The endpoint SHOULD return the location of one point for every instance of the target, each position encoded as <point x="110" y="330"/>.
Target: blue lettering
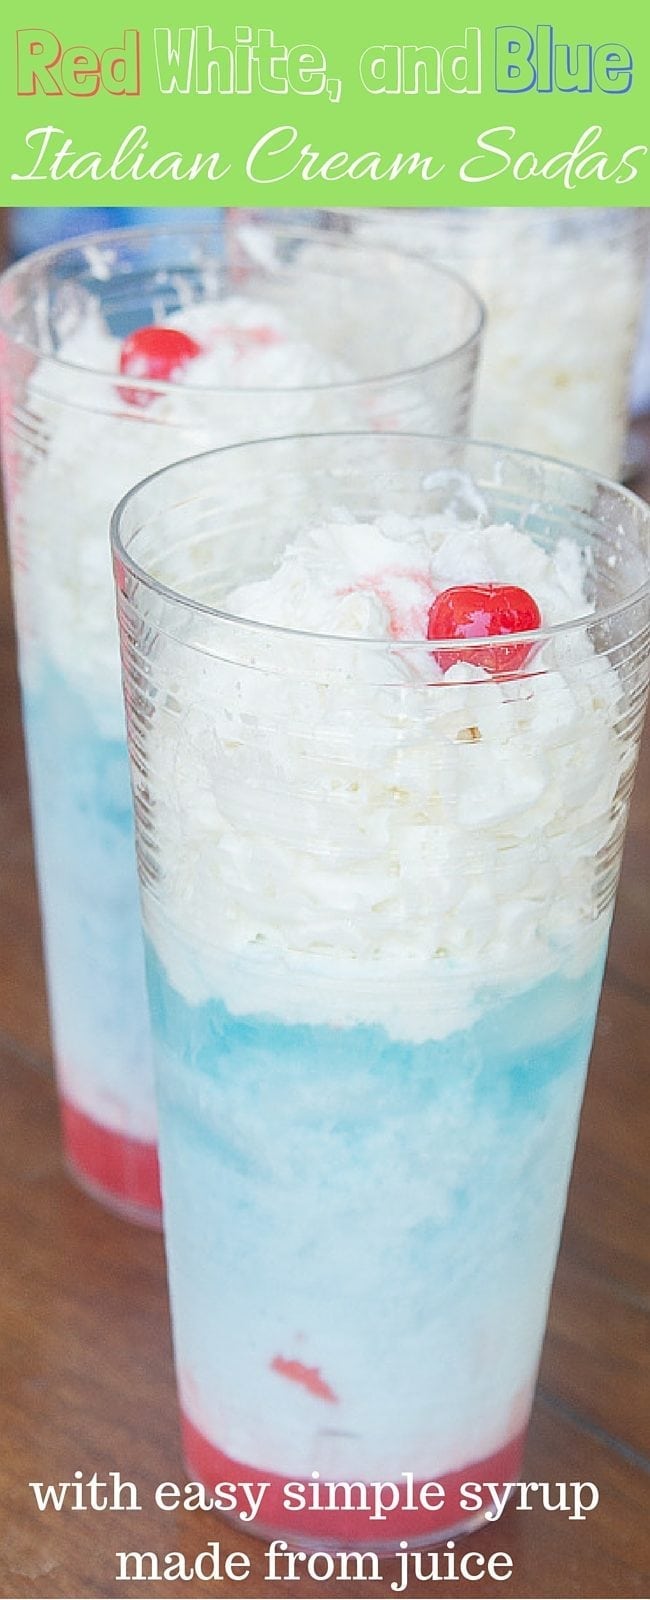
<point x="540" y="62"/>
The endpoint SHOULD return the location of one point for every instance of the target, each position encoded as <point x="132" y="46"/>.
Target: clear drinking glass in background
<point x="281" y="337"/>
<point x="377" y="883"/>
<point x="564" y="294"/>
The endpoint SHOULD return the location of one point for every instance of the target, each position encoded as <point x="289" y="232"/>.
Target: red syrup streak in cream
<point x="243" y="340"/>
<point x="309" y="1377"/>
<point x="209" y="1465"/>
<point x="409" y="619"/>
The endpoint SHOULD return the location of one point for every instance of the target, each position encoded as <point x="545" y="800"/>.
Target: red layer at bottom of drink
<point x="354" y="1526"/>
<point x="113" y="1166"/>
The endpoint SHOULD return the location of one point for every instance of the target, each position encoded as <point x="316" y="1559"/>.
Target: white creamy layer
<point x="93" y="446"/>
<point x="339" y="844"/>
<point x="563" y="304"/>
<point x="430" y="1352"/>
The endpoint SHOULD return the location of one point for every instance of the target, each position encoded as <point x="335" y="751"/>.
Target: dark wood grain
<point x="85" y="1351"/>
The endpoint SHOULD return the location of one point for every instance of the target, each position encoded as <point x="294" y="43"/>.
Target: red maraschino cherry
<point x="154" y="353"/>
<point x="483" y="611"/>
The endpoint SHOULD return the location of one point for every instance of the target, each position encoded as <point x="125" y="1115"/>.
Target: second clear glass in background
<point x="564" y="293"/>
<point x="291" y="330"/>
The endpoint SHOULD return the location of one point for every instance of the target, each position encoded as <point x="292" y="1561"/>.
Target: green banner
<point x="483" y="104"/>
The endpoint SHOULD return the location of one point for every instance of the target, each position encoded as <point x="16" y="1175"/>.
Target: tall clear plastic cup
<point x="277" y="334"/>
<point x="377" y="881"/>
<point x="564" y="293"/>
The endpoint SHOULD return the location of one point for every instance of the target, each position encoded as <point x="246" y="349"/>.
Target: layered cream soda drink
<point x="384" y="698"/>
<point x="121" y="353"/>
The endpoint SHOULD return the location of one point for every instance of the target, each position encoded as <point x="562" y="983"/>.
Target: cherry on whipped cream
<point x="484" y="611"/>
<point x="154" y="353"/>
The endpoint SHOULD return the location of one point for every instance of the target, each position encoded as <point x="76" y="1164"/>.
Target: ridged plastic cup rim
<point x="104" y="237"/>
<point x="534" y="637"/>
<point x="465" y="216"/>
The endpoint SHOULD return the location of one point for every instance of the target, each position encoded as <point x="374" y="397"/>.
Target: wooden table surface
<point x="85" y="1357"/>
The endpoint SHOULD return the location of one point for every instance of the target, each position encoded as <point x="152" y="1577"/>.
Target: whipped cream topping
<point x="563" y="299"/>
<point x="378" y="579"/>
<point x="334" y="845"/>
<point x="86" y="446"/>
<point x="245" y="343"/>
